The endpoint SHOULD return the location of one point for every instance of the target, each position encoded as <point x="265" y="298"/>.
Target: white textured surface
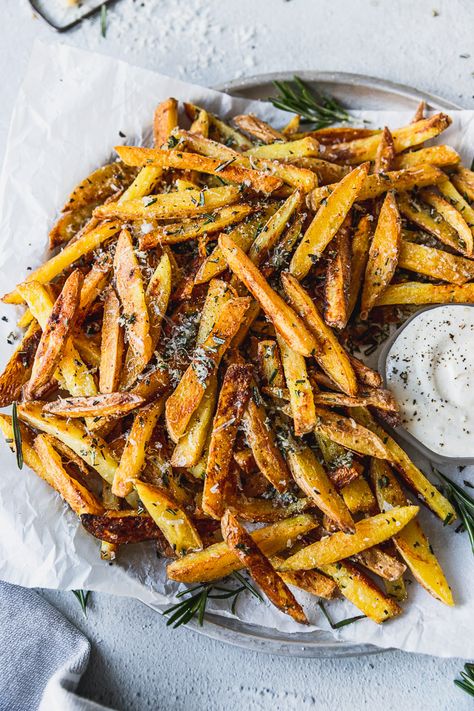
<point x="138" y="663"/>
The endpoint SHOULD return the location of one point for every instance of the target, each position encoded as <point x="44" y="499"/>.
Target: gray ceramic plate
<point x="356" y="92"/>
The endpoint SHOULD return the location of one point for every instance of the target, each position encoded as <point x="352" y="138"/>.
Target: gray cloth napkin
<point x="42" y="655"/>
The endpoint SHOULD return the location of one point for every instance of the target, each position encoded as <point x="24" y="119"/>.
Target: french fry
<point x="380" y="398"/>
<point x="314" y="482"/>
<point x="257" y="510"/>
<point x="338" y="277"/>
<point x="232" y="401"/>
<point x="164" y="120"/>
<point x="328" y="220"/>
<point x="417" y="176"/>
<point x="448" y="210"/>
<point x="270" y="234"/>
<point x="122" y="527"/>
<point x="191" y="228"/>
<point x="132" y="460"/>
<point x="449" y="192"/>
<point x="301" y="148"/>
<point x="340" y="463"/>
<point x="435" y="225"/>
<point x="201" y="124"/>
<point x="69" y="255"/>
<point x="80" y="499"/>
<point x="257" y="128"/>
<point x="358" y="497"/>
<point x="128" y="282"/>
<point x="338" y="134"/>
<point x="262" y="442"/>
<point x="381" y="563"/>
<point x="415" y="479"/>
<point x="385" y="155"/>
<point x="227" y="170"/>
<point x="18" y="369"/>
<point x="383" y="255"/>
<point x="286" y="322"/>
<point x="365" y="375"/>
<point x="170" y="206"/>
<point x="435" y="263"/>
<point x="190" y="446"/>
<point x="91" y="448"/>
<point x="363" y="149"/>
<point x="218" y="560"/>
<point x="172" y="520"/>
<point x="415" y="292"/>
<point x="116" y="404"/>
<point x="112" y="345"/>
<point x="440" y="156"/>
<point x="362" y="591"/>
<point x="411" y="542"/>
<point x="250" y="555"/>
<point x="144" y="184"/>
<point x="229" y="134"/>
<point x="93" y="285"/>
<point x="329" y="354"/>
<point x="346" y="432"/>
<point x="463" y="180"/>
<point x="368" y="532"/>
<point x="181" y="405"/>
<point x="311" y="581"/>
<point x="325" y="171"/>
<point x="300" y="390"/>
<point x="270" y="365"/>
<point x="292" y="126"/>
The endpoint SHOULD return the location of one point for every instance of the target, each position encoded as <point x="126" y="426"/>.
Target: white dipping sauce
<point x="430" y="369"/>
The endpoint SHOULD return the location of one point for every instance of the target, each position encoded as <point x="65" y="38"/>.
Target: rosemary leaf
<point x="17" y="436"/>
<point x="466" y="683"/>
<point x="83" y="597"/>
<point x="341" y="623"/>
<point x="462" y="502"/>
<point x="103" y="20"/>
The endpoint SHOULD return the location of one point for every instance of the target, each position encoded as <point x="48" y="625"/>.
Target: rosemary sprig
<point x="467" y="681"/>
<point x="103" y="20"/>
<point x="341" y="623"/>
<point x="83" y="597"/>
<point x="17" y="437"/>
<point x="462" y="502"/>
<point x="318" y="109"/>
<point x="195" y="605"/>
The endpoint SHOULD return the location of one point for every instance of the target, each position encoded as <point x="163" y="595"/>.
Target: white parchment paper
<point x="67" y="118"/>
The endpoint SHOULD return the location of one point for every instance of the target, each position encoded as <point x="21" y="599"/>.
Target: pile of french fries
<point x="184" y="369"/>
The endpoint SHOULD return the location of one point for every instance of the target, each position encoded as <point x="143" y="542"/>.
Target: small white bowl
<point x="401" y="431"/>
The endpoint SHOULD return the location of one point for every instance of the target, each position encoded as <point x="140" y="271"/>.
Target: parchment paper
<point x="67" y="118"/>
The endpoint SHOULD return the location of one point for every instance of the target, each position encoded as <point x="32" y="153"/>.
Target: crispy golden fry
<point x="132" y="460"/>
<point x="362" y="591"/>
<point x="227" y="170"/>
<point x="91" y="448"/>
<point x="338" y="277"/>
<point x="448" y="210"/>
<point x="448" y="190"/>
<point x="233" y="398"/>
<point x="380" y="398"/>
<point x="463" y="180"/>
<point x="329" y="354"/>
<point x="257" y="128"/>
<point x="339" y="134"/>
<point x="18" y="369"/>
<point x="228" y="135"/>
<point x="325" y="171"/>
<point x="270" y="234"/>
<point x="415" y="479"/>
<point x="301" y="148"/>
<point x="168" y="206"/>
<point x="286" y="322"/>
<point x="181" y="405"/>
<point x="172" y="520"/>
<point x="328" y="220"/>
<point x="292" y="126"/>
<point x="341" y="466"/>
<point x="93" y="285"/>
<point x="219" y="293"/>
<point x="385" y="156"/>
<point x="383" y="254"/>
<point x="434" y="224"/>
<point x="70" y="254"/>
<point x="257" y="510"/>
<point x="80" y="499"/>
<point x="144" y="184"/>
<point x="415" y="292"/>
<point x="218" y="560"/>
<point x="250" y="555"/>
<point x="270" y="366"/>
<point x="129" y="284"/>
<point x="368" y="532"/>
<point x="411" y="543"/>
<point x="314" y="482"/>
<point x="192" y="228"/>
<point x="117" y="404"/>
<point x="111" y="351"/>
<point x="299" y="387"/>
<point x="190" y="446"/>
<point x="414" y="134"/>
<point x="365" y="375"/>
<point x="381" y="563"/>
<point x="311" y="581"/>
<point x="122" y="527"/>
<point x="30" y="455"/>
<point x="376" y="185"/>
<point x="349" y="434"/>
<point x="164" y="120"/>
<point x="262" y="442"/>
<point x="440" y="156"/>
<point x="358" y="497"/>
<point x="435" y="263"/>
<point x="201" y="124"/>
